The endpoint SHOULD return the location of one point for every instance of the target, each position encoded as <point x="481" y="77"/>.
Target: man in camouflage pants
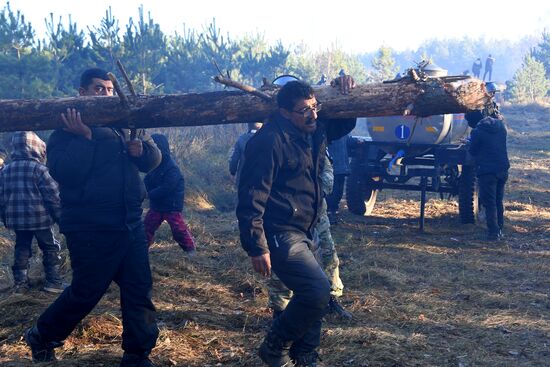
<point x="325" y="253"/>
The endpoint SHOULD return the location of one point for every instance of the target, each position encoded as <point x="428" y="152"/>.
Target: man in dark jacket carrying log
<point x="279" y="201"/>
<point x="97" y="169"/>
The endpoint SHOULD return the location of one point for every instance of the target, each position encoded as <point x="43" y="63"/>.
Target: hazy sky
<point x="357" y="26"/>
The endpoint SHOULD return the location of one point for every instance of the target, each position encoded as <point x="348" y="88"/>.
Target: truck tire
<point x="467" y="195"/>
<point x="360" y="194"/>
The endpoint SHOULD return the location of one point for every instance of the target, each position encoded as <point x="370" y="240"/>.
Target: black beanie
<point x="473" y="117"/>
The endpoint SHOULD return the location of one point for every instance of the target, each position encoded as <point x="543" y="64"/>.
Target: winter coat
<point x="488" y="146"/>
<point x="338" y="150"/>
<point x="29" y="196"/>
<point x="279" y="189"/>
<point x="236" y="158"/>
<point x="165" y="184"/>
<point x="100" y="186"/>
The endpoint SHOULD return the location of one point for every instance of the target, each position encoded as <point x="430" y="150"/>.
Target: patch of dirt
<point x="443" y="297"/>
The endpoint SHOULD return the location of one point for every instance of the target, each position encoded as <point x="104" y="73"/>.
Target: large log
<point x="421" y="98"/>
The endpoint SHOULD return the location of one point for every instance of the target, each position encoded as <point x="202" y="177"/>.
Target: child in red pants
<point x="165" y="188"/>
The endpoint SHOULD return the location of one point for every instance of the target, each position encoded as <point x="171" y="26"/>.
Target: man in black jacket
<point x="488" y="147"/>
<point x="97" y="169"/>
<point x="279" y="201"/>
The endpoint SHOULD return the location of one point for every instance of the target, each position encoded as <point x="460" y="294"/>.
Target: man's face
<point x="303" y="115"/>
<point x="98" y="87"/>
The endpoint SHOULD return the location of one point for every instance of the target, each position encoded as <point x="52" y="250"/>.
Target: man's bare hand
<point x="262" y="264"/>
<point x="74" y="125"/>
<point x="134" y="148"/>
<point x="345" y="83"/>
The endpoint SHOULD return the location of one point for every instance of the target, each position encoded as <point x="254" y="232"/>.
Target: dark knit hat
<point x="473" y="117"/>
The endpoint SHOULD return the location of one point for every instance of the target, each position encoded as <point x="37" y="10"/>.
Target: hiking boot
<point x="274" y="351"/>
<point x="135" y="360"/>
<point x="21" y="280"/>
<point x="55" y="287"/>
<point x="21" y="288"/>
<point x="306" y="360"/>
<point x="334" y="307"/>
<point x="41" y="351"/>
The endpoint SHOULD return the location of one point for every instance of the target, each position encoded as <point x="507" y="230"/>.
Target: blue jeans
<point x="296" y="267"/>
<point x="97" y="259"/>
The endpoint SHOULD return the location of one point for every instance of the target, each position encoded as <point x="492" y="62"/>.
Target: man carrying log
<point x="279" y="201"/>
<point x="97" y="169"/>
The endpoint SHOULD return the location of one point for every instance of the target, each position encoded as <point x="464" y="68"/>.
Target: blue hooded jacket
<point x="165" y="184"/>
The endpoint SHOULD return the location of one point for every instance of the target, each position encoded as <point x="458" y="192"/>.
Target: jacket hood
<point x="162" y="143"/>
<point x="490" y="125"/>
<point x="27" y="145"/>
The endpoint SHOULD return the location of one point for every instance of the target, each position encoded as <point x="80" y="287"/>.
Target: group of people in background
<point x="477" y="66"/>
<point x="289" y="172"/>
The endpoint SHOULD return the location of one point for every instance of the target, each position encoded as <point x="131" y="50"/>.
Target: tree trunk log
<point x="432" y="97"/>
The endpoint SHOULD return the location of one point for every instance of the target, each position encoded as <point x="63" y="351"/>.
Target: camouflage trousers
<point x="325" y="253"/>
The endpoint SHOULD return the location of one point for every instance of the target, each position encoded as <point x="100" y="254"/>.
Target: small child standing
<point x="165" y="188"/>
<point x="30" y="205"/>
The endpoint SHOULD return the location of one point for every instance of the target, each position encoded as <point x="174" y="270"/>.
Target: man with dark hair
<point x="97" y="169"/>
<point x="488" y="147"/>
<point x="279" y="201"/>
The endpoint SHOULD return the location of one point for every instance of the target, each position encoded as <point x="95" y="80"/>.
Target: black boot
<point x="336" y="308"/>
<point x="135" y="360"/>
<point x="21" y="281"/>
<point x="41" y="351"/>
<point x="274" y="351"/>
<point x="306" y="360"/>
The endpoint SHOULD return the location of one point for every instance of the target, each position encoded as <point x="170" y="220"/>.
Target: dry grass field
<point x="443" y="297"/>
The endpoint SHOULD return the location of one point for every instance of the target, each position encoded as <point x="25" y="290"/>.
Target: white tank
<point x="412" y="130"/>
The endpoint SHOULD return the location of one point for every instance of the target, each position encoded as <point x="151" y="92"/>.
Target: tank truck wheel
<point x="360" y="195"/>
<point x="467" y="195"/>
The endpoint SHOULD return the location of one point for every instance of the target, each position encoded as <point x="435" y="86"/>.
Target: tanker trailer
<point x="413" y="153"/>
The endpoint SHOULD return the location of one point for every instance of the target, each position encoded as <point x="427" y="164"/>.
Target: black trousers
<point x="491" y="195"/>
<point x="23" y="251"/>
<point x="334" y="198"/>
<point x="296" y="267"/>
<point x="97" y="259"/>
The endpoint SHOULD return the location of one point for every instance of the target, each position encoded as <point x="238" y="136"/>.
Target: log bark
<point x="421" y="98"/>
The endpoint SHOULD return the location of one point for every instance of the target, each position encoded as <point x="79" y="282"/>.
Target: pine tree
<point x="530" y="82"/>
<point x="542" y="52"/>
<point x="384" y="65"/>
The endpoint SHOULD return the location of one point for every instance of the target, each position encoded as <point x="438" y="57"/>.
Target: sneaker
<point x="41" y="351"/>
<point x="336" y="308"/>
<point x="191" y="253"/>
<point x="135" y="360"/>
<point x="56" y="287"/>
